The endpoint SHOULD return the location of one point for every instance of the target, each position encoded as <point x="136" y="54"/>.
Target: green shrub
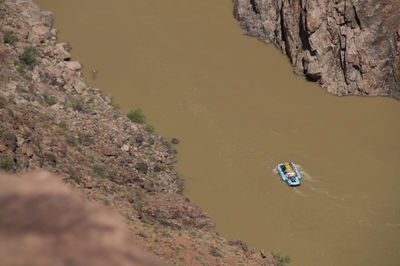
<point x="63" y="124"/>
<point x="149" y="128"/>
<point x="85" y="139"/>
<point x="214" y="251"/>
<point x="6" y="163"/>
<point x="28" y="57"/>
<point x="136" y="116"/>
<point x="280" y="260"/>
<point x="77" y="103"/>
<point x="160" y="167"/>
<point x="10" y="37"/>
<point x="77" y="179"/>
<point x="99" y="170"/>
<point x="70" y="138"/>
<point x="112" y="174"/>
<point x="50" y="100"/>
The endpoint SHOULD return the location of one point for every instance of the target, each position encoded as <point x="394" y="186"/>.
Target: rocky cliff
<point x="50" y="119"/>
<point x="350" y="47"/>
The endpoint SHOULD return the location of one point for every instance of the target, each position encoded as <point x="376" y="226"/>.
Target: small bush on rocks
<point x="29" y="57"/>
<point x="50" y="100"/>
<point x="6" y="163"/>
<point x="112" y="174"/>
<point x="10" y="37"/>
<point x="77" y="179"/>
<point x="77" y="103"/>
<point x="99" y="170"/>
<point x="63" y="124"/>
<point x="149" y="128"/>
<point x="160" y="167"/>
<point x="70" y="139"/>
<point x="136" y="116"/>
<point x="280" y="260"/>
<point x="85" y="139"/>
<point x="214" y="251"/>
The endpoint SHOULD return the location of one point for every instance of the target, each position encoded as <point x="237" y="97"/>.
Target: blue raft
<point x="289" y="173"/>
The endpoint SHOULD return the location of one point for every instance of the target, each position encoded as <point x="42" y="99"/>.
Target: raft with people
<point x="289" y="173"/>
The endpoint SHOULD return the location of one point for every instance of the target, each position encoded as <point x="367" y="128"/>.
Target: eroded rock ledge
<point x="350" y="47"/>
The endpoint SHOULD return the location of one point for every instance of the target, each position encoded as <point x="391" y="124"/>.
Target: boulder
<point x="108" y="151"/>
<point x="74" y="65"/>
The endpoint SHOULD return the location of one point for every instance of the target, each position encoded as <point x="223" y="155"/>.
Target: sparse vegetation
<point x="98" y="170"/>
<point x="77" y="103"/>
<point x="70" y="138"/>
<point x="76" y="178"/>
<point x="10" y="37"/>
<point x="29" y="57"/>
<point x="50" y="100"/>
<point x="111" y="174"/>
<point x="160" y="167"/>
<point x="85" y="139"/>
<point x="149" y="128"/>
<point x="136" y="116"/>
<point x="215" y="252"/>
<point x="6" y="163"/>
<point x="280" y="260"/>
<point x="63" y="124"/>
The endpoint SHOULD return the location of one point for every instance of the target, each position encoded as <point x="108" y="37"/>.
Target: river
<point x="238" y="110"/>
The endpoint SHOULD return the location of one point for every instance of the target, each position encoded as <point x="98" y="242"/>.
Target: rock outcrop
<point x="350" y="47"/>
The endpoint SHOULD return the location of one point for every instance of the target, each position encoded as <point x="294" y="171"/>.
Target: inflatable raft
<point x="289" y="173"/>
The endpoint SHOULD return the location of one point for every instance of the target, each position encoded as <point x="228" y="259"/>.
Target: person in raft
<point x="289" y="171"/>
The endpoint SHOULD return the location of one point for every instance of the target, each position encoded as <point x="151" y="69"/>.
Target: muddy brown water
<point x="238" y="111"/>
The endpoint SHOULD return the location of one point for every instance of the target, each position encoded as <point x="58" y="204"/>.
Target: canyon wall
<point x="350" y="47"/>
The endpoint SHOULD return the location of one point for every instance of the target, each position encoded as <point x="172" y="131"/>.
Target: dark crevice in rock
<point x="356" y="18"/>
<point x="254" y="6"/>
<point x="283" y="35"/>
<point x="304" y="36"/>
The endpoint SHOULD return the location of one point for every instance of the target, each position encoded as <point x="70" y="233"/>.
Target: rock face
<point x="350" y="47"/>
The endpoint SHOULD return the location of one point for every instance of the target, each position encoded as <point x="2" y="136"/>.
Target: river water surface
<point x="238" y="111"/>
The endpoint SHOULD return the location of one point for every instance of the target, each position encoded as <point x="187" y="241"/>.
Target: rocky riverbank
<point x="50" y="119"/>
<point x="350" y="47"/>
